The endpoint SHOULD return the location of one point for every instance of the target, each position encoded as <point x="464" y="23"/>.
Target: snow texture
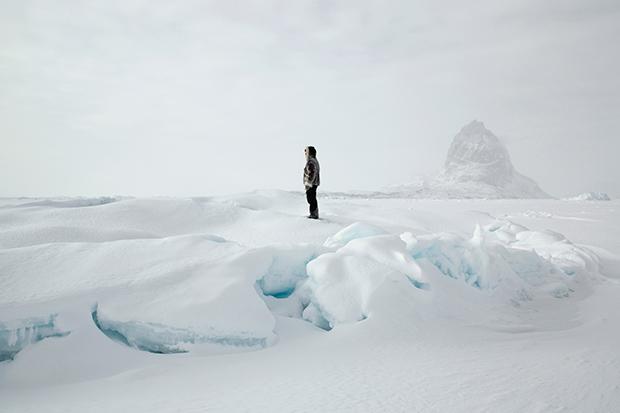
<point x="353" y="231"/>
<point x="71" y="202"/>
<point x="471" y="286"/>
<point x="155" y="306"/>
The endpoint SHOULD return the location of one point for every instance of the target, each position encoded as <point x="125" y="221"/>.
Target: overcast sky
<point x="199" y="97"/>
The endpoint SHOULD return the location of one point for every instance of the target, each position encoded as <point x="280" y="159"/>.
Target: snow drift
<point x="507" y="263"/>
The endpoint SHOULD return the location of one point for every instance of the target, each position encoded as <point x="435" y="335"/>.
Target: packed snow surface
<point x="170" y="304"/>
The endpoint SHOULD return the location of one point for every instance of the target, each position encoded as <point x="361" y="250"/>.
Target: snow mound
<point x="50" y="271"/>
<point x="478" y="165"/>
<point x="590" y="196"/>
<point x="506" y="262"/>
<point x="342" y="283"/>
<point x="219" y="303"/>
<point x="214" y="303"/>
<point x="353" y="231"/>
<point x="17" y="334"/>
<point x="507" y="259"/>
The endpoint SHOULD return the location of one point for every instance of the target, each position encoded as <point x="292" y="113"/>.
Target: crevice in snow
<point x="283" y="285"/>
<point x="287" y="270"/>
<point x="418" y="284"/>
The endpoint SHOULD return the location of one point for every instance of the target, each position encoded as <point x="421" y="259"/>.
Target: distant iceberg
<point x="590" y="196"/>
<point x="478" y="166"/>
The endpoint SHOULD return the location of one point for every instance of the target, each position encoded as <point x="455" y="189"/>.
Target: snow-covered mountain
<point x="478" y="165"/>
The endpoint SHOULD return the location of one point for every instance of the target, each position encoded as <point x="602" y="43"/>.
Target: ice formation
<point x="172" y="294"/>
<point x="230" y="300"/>
<point x="506" y="260"/>
<point x="165" y="339"/>
<point x="17" y="334"/>
<point x="590" y="196"/>
<point x="478" y="165"/>
<point x="167" y="316"/>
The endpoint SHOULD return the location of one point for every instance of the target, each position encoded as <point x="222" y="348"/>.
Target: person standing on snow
<point x="312" y="180"/>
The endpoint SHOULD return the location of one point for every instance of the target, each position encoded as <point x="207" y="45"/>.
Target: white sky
<point x="200" y="97"/>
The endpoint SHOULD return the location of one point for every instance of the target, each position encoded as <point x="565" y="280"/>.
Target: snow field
<point x="172" y="294"/>
<point x="384" y="305"/>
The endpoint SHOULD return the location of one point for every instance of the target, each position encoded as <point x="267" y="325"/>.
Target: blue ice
<point x="162" y="339"/>
<point x="15" y="336"/>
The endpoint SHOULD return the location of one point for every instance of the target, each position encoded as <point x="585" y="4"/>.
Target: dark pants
<point x="311" y="198"/>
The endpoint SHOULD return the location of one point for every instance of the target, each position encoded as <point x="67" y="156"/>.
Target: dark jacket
<point x="312" y="173"/>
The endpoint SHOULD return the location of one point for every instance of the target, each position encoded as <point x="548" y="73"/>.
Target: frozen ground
<point x="239" y="303"/>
